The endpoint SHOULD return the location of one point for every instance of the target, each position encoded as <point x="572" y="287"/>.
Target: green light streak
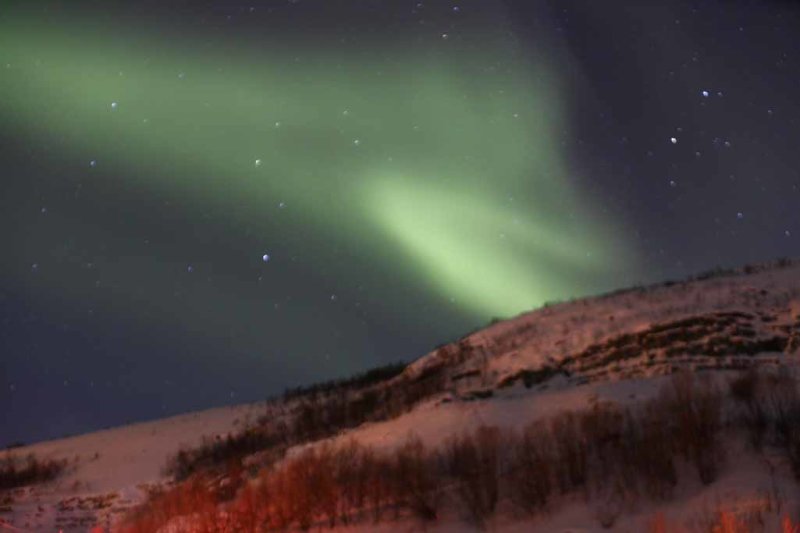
<point x="490" y="254"/>
<point x="410" y="163"/>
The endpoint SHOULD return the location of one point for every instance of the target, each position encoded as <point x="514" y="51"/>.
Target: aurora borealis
<point x="418" y="165"/>
<point x="409" y="170"/>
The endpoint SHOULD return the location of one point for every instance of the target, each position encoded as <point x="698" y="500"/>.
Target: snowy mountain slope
<point x="108" y="469"/>
<point x="720" y="322"/>
<point x="570" y="355"/>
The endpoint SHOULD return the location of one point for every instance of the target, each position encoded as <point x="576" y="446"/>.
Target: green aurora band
<point x="424" y="167"/>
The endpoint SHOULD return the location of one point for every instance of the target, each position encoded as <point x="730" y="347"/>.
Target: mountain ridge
<point x="617" y="348"/>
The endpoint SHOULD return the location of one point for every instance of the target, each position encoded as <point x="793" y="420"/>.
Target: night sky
<point x="204" y="203"/>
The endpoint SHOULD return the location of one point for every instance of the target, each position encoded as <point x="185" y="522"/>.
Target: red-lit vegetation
<point x="762" y="512"/>
<point x="320" y="412"/>
<point x="608" y="454"/>
<point x="769" y="410"/>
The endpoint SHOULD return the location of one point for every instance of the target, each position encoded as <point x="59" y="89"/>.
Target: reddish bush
<point x="695" y="412"/>
<point x="647" y="453"/>
<point x="602" y="429"/>
<point x="473" y="461"/>
<point x="416" y="482"/>
<point x="303" y="490"/>
<point x="611" y="455"/>
<point x="530" y="483"/>
<point x="746" y="391"/>
<point x="570" y="452"/>
<point x="251" y="510"/>
<point x="192" y="501"/>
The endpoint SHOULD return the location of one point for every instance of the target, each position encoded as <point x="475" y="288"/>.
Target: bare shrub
<point x="610" y="506"/>
<point x="602" y="428"/>
<point x="782" y="402"/>
<point x="352" y="467"/>
<point x="570" y="452"/>
<point x="308" y="421"/>
<point x="695" y="409"/>
<point x="15" y="472"/>
<point x="657" y="524"/>
<point x="285" y="504"/>
<point x="759" y="512"/>
<point x="648" y="454"/>
<point x="416" y="481"/>
<point x="303" y="489"/>
<point x="251" y="510"/>
<point x="771" y="405"/>
<point x="530" y="484"/>
<point x="379" y="485"/>
<point x="356" y="382"/>
<point x="746" y="391"/>
<point x="218" y="452"/>
<point x="474" y="462"/>
<point x="345" y="475"/>
<point x="190" y="501"/>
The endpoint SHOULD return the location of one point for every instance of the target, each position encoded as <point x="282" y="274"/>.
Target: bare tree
<point x="474" y="462"/>
<point x="530" y="476"/>
<point x="416" y="481"/>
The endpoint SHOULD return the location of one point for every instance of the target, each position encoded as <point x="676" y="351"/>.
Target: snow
<point x="117" y="461"/>
<point x="120" y="462"/>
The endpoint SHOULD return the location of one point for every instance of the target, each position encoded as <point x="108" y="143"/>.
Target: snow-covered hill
<point x="108" y="470"/>
<point x="567" y="356"/>
<point x="708" y="322"/>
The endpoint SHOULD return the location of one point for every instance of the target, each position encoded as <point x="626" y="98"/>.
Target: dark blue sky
<point x="721" y="78"/>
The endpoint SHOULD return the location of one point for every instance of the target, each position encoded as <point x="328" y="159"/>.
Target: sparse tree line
<point x="313" y="416"/>
<point x="16" y="472"/>
<point x="322" y="410"/>
<point x="358" y="381"/>
<point x="768" y="409"/>
<point x="609" y="455"/>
